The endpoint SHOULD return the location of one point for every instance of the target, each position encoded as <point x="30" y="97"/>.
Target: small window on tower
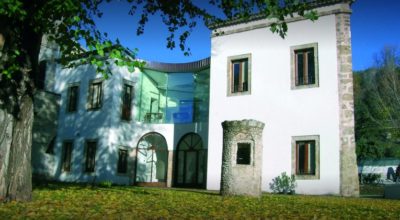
<point x="243" y="155"/>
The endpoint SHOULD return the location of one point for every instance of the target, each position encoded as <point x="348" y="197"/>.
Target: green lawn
<point x="81" y="202"/>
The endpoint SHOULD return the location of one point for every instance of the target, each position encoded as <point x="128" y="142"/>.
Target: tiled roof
<point x="313" y="4"/>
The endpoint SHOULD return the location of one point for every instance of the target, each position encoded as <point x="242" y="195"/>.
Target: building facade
<point x="130" y="129"/>
<point x="300" y="87"/>
<point x="161" y="126"/>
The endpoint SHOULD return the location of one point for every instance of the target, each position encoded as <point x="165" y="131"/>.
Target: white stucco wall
<point x="285" y="112"/>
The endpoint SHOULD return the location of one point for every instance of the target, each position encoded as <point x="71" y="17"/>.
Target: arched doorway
<point x="152" y="160"/>
<point x="191" y="162"/>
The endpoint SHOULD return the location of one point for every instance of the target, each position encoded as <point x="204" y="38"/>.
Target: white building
<point x="162" y="126"/>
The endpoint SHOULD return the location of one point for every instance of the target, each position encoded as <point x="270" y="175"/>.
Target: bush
<point x="105" y="184"/>
<point x="283" y="184"/>
<point x="370" y="178"/>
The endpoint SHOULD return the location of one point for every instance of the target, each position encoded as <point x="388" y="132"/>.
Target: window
<point x="50" y="146"/>
<point x="240" y="76"/>
<point x="72" y="104"/>
<point x="122" y="161"/>
<point x="305" y="154"/>
<point x="95" y="95"/>
<point x="66" y="156"/>
<point x="304" y="66"/>
<point x="126" y="101"/>
<point x="306" y="157"/>
<point x="39" y="79"/>
<point x="239" y="79"/>
<point x="90" y="156"/>
<point x="243" y="155"/>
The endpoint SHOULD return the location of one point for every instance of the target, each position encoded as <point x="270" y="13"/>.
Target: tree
<point x="377" y="107"/>
<point x="68" y="22"/>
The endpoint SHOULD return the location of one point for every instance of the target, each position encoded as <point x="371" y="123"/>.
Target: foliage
<point x="105" y="184"/>
<point x="69" y="24"/>
<point x="377" y="107"/>
<point x="370" y="178"/>
<point x="283" y="184"/>
<point x="83" y="202"/>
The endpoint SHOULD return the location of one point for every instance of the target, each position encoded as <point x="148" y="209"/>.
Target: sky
<point x="374" y="25"/>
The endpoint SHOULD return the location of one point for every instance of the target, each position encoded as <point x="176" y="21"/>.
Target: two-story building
<point x="161" y="126"/>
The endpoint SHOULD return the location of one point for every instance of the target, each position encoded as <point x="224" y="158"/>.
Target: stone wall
<point x="239" y="178"/>
<point x="348" y="166"/>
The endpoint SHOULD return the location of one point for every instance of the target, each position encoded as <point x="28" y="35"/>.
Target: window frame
<point x="70" y="86"/>
<point x="235" y="149"/>
<point x="90" y="103"/>
<point x="230" y="77"/>
<point x="296" y="139"/>
<point x="85" y="165"/>
<point x="64" y="159"/>
<point x="293" y="50"/>
<point x="132" y="88"/>
<point x="127" y="161"/>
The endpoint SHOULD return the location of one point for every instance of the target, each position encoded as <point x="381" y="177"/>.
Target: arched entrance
<point x="191" y="162"/>
<point x="152" y="160"/>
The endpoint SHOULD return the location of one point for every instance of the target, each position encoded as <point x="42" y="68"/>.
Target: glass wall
<point x="173" y="97"/>
<point x="201" y="95"/>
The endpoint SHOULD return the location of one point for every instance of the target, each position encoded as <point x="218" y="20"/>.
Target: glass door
<point x="191" y="162"/>
<point x="152" y="159"/>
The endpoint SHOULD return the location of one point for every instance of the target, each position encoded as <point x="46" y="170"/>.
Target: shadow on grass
<point x="200" y="191"/>
<point x="54" y="185"/>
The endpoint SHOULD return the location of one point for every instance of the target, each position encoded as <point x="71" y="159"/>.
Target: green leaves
<point x="76" y="18"/>
<point x="13" y="9"/>
<point x="99" y="49"/>
<point x="283" y="184"/>
<point x="311" y="15"/>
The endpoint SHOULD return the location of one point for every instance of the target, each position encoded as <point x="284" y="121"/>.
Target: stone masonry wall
<point x="348" y="167"/>
<point x="241" y="179"/>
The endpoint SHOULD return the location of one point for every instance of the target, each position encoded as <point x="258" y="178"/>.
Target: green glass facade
<point x="173" y="97"/>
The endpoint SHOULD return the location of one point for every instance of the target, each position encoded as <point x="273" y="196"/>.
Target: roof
<point x="194" y="66"/>
<point x="178" y="67"/>
<point x="259" y="16"/>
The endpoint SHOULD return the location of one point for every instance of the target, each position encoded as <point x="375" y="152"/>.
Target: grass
<point x="57" y="201"/>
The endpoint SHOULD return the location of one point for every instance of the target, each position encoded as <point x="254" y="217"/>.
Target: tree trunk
<point x="16" y="175"/>
<point x="16" y="102"/>
<point x="6" y="128"/>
